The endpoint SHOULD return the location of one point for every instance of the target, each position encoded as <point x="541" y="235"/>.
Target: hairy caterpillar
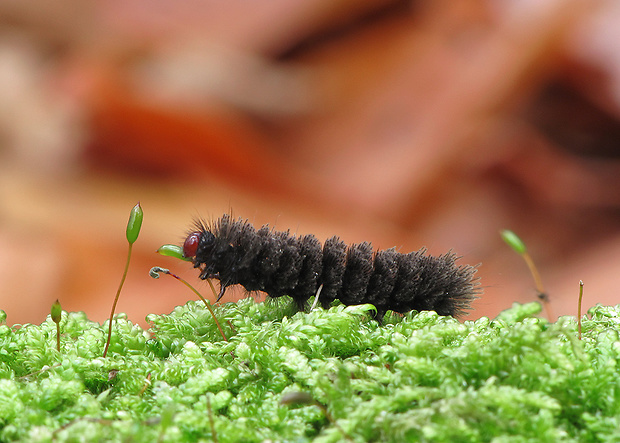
<point x="279" y="263"/>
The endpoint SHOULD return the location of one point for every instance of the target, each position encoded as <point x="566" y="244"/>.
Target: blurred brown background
<point x="408" y="124"/>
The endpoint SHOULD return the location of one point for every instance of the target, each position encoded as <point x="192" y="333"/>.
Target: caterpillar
<point x="279" y="263"/>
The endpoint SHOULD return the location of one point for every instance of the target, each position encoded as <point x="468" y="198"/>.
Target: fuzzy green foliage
<point x="421" y="377"/>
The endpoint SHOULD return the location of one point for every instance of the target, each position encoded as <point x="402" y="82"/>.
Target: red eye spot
<point x="190" y="247"/>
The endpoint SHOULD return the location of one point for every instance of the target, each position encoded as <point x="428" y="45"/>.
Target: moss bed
<point x="420" y="377"/>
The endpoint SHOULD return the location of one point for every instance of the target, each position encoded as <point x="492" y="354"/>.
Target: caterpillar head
<point x="190" y="246"/>
<point x="198" y="243"/>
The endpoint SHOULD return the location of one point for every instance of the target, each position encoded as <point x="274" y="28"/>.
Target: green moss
<point x="421" y="377"/>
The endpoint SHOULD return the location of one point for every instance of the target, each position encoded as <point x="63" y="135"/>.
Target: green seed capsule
<point x="134" y="224"/>
<point x="173" y="251"/>
<point x="56" y="312"/>
<point x="513" y="241"/>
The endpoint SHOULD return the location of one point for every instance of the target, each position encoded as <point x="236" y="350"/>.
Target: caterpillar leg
<point x="221" y="294"/>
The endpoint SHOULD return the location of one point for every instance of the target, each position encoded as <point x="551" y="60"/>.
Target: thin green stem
<point x="147" y="383"/>
<point x="534" y="271"/>
<point x="118" y="293"/>
<point x="211" y="421"/>
<point x="56" y="315"/>
<point x="40" y="371"/>
<point x="207" y="304"/>
<point x="212" y="288"/>
<point x="579" y="308"/>
<point x="58" y="336"/>
<point x="542" y="295"/>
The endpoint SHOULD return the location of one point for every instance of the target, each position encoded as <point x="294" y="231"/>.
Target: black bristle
<point x="279" y="263"/>
<point x="334" y="263"/>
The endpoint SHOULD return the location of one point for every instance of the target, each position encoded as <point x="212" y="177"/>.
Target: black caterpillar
<point x="279" y="263"/>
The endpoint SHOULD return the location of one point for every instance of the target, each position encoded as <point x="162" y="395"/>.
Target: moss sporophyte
<point x="317" y="376"/>
<point x="131" y="233"/>
<point x="517" y="245"/>
<point x="56" y="315"/>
